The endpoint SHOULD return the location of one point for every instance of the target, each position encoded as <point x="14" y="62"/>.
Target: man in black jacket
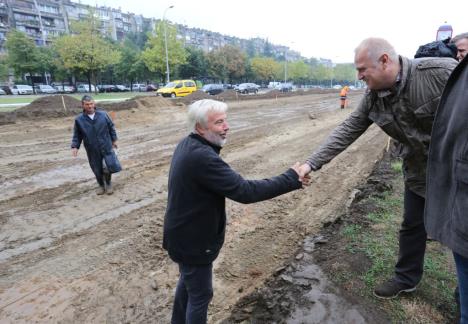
<point x="447" y="177"/>
<point x="195" y="220"/>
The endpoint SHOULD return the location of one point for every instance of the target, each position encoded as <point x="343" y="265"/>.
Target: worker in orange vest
<point x="343" y="95"/>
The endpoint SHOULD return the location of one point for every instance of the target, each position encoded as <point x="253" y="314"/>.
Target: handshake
<point x="303" y="171"/>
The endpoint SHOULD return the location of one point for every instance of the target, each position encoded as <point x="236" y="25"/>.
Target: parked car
<point x="2" y="92"/>
<point x="7" y="90"/>
<point x="213" y="89"/>
<point x="122" y="88"/>
<point x="247" y="88"/>
<point x="45" y="89"/>
<point x="85" y="88"/>
<point x="178" y="88"/>
<point x="107" y="88"/>
<point x="20" y="89"/>
<point x="140" y="87"/>
<point x="285" y="87"/>
<point x="151" y="87"/>
<point x="64" y="88"/>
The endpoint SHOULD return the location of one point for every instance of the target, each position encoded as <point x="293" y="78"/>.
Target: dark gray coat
<point x="97" y="136"/>
<point x="446" y="212"/>
<point x="405" y="113"/>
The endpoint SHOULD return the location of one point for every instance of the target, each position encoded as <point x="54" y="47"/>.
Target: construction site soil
<point x="70" y="256"/>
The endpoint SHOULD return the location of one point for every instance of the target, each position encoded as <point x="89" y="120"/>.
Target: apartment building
<point x="45" y="19"/>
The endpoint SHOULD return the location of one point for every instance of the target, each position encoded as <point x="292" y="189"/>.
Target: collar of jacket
<point x="201" y="139"/>
<point x="85" y="114"/>
<point x="400" y="81"/>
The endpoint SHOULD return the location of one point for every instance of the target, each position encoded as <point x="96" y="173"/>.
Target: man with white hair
<point x="195" y="220"/>
<point x="402" y="98"/>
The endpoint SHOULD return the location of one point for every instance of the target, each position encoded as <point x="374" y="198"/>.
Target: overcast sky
<point x="328" y="28"/>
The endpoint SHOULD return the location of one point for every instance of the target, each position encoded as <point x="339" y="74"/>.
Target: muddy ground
<point x="304" y="290"/>
<point x="69" y="256"/>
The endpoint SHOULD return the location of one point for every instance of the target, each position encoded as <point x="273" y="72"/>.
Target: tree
<point x="154" y="55"/>
<point x="322" y="73"/>
<point x="22" y="54"/>
<point x="298" y="71"/>
<point x="85" y="50"/>
<point x="3" y="68"/>
<point x="265" y="68"/>
<point x="345" y="72"/>
<point x="131" y="66"/>
<point x="227" y="63"/>
<point x="196" y="65"/>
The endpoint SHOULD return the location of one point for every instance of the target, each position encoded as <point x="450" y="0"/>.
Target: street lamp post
<point x="165" y="44"/>
<point x="285" y="67"/>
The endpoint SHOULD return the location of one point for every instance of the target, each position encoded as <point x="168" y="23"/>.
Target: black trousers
<point x="193" y="294"/>
<point x="410" y="265"/>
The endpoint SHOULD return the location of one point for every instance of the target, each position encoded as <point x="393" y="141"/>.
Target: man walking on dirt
<point x="195" y="220"/>
<point x="402" y="98"/>
<point x="96" y="130"/>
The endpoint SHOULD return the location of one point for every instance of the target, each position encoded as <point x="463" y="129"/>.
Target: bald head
<point x="375" y="48"/>
<point x="377" y="63"/>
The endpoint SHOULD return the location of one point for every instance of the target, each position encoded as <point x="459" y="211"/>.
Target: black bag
<point x="111" y="162"/>
<point x="437" y="49"/>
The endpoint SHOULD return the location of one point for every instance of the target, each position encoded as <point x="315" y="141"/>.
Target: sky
<point x="323" y="29"/>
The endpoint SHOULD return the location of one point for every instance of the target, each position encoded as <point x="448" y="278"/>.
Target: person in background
<point x="343" y="97"/>
<point x="96" y="130"/>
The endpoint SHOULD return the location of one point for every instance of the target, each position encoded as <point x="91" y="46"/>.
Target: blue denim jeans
<point x="193" y="294"/>
<point x="462" y="274"/>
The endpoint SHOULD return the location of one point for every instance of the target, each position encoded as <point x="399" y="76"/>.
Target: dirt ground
<point x="69" y="256"/>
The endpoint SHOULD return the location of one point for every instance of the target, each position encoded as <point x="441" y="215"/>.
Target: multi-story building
<point x="45" y="19"/>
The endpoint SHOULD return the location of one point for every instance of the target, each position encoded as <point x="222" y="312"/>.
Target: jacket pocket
<point x="460" y="203"/>
<point x="425" y="115"/>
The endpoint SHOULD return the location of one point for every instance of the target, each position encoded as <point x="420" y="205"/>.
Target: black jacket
<point x="446" y="212"/>
<point x="199" y="182"/>
<point x="97" y="134"/>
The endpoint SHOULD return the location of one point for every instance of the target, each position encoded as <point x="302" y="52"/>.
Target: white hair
<point x="375" y="48"/>
<point x="198" y="112"/>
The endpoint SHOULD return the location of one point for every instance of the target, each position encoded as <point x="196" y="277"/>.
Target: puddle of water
<point x="322" y="306"/>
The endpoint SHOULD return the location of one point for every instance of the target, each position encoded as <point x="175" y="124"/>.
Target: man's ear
<point x="200" y="130"/>
<point x="385" y="60"/>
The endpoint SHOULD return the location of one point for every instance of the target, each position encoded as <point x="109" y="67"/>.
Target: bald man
<point x="401" y="98"/>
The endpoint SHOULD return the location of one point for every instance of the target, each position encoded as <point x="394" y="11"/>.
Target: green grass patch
<point x="397" y="166"/>
<point x="378" y="239"/>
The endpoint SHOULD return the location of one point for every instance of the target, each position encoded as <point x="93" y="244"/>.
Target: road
<point x="69" y="256"/>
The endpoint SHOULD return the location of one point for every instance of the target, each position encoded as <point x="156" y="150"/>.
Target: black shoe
<point x="391" y="289"/>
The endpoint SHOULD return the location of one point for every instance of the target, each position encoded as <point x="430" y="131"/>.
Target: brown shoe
<point x="109" y="189"/>
<point x="391" y="289"/>
<point x="100" y="191"/>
